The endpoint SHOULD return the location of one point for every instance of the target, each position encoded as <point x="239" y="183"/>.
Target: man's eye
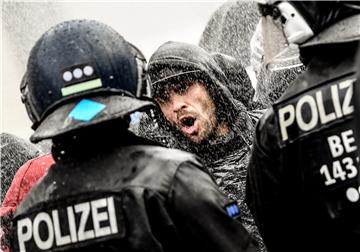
<point x="162" y="100"/>
<point x="181" y="91"/>
<point x="165" y="97"/>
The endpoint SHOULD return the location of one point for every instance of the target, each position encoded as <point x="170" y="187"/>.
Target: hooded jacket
<point x="222" y="73"/>
<point x="226" y="157"/>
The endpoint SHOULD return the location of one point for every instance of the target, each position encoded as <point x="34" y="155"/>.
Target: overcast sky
<point x="146" y="24"/>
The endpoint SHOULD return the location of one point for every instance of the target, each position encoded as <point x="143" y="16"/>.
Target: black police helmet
<point x="80" y="73"/>
<point x="318" y="14"/>
<point x="321" y="14"/>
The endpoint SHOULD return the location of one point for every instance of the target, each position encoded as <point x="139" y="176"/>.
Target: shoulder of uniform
<point x="160" y="166"/>
<point x="267" y="132"/>
<point x="301" y="83"/>
<point x="165" y="161"/>
<point x="175" y="155"/>
<point x="179" y="158"/>
<point x="266" y="121"/>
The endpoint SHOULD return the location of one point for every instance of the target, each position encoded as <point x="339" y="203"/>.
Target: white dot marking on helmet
<point x="78" y="73"/>
<point x="352" y="194"/>
<point x="88" y="70"/>
<point x="67" y="76"/>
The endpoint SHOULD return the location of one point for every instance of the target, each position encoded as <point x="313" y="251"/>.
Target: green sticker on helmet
<point x="82" y="86"/>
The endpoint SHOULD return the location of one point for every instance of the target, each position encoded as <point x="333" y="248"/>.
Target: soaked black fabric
<point x="357" y="95"/>
<point x="297" y="181"/>
<point x="162" y="200"/>
<point x="321" y="14"/>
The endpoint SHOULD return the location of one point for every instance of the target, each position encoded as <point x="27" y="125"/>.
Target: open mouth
<point x="189" y="125"/>
<point x="187" y="121"/>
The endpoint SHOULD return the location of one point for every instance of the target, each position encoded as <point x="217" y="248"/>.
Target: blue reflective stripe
<point x="236" y="209"/>
<point x="86" y="110"/>
<point x="233" y="210"/>
<point x="228" y="209"/>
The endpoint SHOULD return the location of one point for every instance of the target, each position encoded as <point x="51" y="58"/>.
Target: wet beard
<point x="211" y="150"/>
<point x="213" y="147"/>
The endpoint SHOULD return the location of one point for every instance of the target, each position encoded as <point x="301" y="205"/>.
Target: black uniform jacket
<point x="128" y="198"/>
<point x="303" y="177"/>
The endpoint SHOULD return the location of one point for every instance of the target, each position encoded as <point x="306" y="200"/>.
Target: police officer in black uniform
<point x="357" y="96"/>
<point x="110" y="190"/>
<point x="303" y="177"/>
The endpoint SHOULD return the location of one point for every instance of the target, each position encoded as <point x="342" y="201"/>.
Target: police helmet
<point x="80" y="73"/>
<point x="302" y="20"/>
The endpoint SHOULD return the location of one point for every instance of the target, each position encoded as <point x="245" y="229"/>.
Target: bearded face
<point x="192" y="111"/>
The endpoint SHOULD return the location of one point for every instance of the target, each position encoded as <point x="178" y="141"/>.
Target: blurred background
<point x="146" y="24"/>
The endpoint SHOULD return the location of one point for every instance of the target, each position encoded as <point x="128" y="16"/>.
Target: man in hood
<point x="191" y="88"/>
<point x="303" y="176"/>
<point x="200" y="114"/>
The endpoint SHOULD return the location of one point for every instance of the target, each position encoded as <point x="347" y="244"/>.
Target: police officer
<point x="357" y="96"/>
<point x="108" y="189"/>
<point x="303" y="177"/>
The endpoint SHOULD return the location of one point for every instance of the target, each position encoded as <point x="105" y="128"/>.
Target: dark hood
<point x="218" y="71"/>
<point x="173" y="59"/>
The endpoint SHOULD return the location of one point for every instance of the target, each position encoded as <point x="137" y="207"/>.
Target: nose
<point x="177" y="104"/>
